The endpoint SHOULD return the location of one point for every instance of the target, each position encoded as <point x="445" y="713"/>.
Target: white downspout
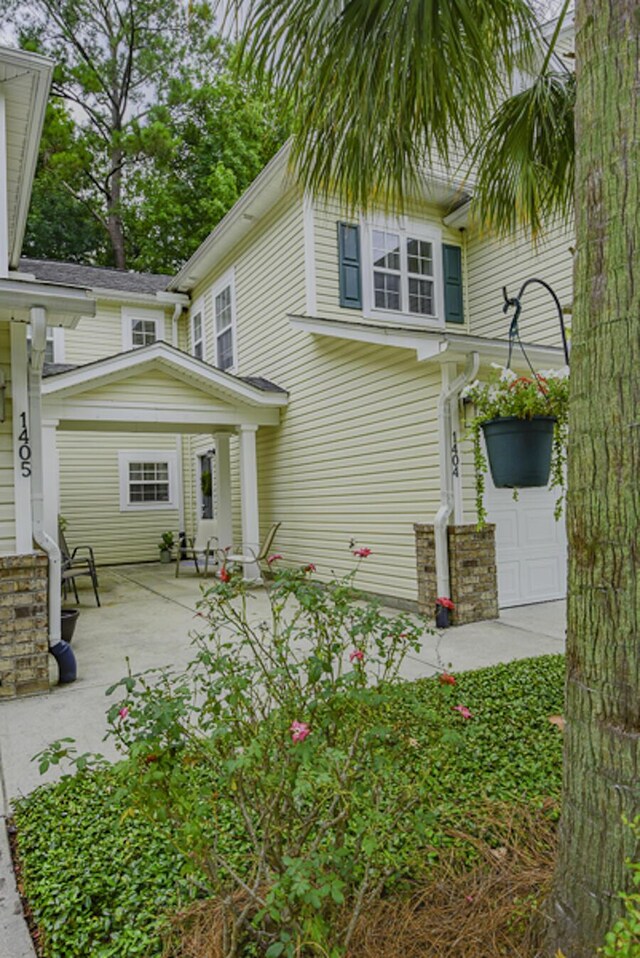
<point x="448" y="395"/>
<point x="38" y="319"/>
<point x="177" y="310"/>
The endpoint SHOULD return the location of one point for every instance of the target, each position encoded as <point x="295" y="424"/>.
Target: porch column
<point x="51" y="470"/>
<point x="249" y="498"/>
<point x="22" y="464"/>
<point x="223" y="490"/>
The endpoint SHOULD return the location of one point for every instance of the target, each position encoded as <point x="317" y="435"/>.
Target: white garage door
<point x="531" y="547"/>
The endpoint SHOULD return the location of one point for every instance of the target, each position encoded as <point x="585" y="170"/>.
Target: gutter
<point x="38" y="317"/>
<point x="448" y="395"/>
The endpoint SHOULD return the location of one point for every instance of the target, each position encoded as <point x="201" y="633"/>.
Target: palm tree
<point x="382" y="87"/>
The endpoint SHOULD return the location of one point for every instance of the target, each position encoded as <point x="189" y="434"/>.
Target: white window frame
<point x="55" y="336"/>
<point x="228" y="280"/>
<point x="406" y="229"/>
<point x="168" y="456"/>
<point x="131" y="314"/>
<point x="197" y="307"/>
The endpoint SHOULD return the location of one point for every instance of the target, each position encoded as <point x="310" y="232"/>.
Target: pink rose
<point x="446" y="679"/>
<point x="274" y="558"/>
<point x="356" y="656"/>
<point x="464" y="711"/>
<point x="362" y="553"/>
<point x="124" y="711"/>
<point x="299" y="731"/>
<point x="310" y="567"/>
<point x="224" y="575"/>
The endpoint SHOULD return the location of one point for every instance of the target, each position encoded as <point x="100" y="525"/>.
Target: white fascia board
<point x="160" y="355"/>
<point x="141" y="417"/>
<point x="272" y="182"/>
<point x="428" y="343"/>
<point x="42" y="70"/>
<point x="121" y="296"/>
<point x="65" y="305"/>
<point x="440" y="344"/>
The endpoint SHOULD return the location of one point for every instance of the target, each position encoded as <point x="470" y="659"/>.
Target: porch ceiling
<point x="157" y="388"/>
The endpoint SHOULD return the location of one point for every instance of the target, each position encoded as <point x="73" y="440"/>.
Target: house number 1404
<point x="24" y="449"/>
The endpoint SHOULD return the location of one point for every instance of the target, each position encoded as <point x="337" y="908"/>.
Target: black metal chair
<point x="76" y="563"/>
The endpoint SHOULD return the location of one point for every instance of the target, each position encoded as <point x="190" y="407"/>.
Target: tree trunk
<point x="114" y="218"/>
<point x="602" y="735"/>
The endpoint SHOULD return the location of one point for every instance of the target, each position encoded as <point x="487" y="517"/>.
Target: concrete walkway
<point x="147" y="618"/>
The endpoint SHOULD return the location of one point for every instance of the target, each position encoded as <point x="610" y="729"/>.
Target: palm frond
<point x="525" y="158"/>
<point x="380" y="85"/>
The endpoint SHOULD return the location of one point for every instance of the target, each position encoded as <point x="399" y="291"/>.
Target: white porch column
<point x="51" y="471"/>
<point x="21" y="438"/>
<point x="223" y="490"/>
<point x="4" y="225"/>
<point x="249" y="498"/>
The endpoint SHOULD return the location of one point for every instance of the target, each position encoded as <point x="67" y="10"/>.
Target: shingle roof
<point x="92" y="277"/>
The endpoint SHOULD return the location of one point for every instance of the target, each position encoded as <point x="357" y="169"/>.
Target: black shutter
<point x="452" y="269"/>
<point x="349" y="264"/>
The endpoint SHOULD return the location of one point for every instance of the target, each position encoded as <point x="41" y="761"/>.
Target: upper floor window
<point x="223" y="306"/>
<point x="197" y="331"/>
<point x="141" y="327"/>
<point x="402" y="276"/>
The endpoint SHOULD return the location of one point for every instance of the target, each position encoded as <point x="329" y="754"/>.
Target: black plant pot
<point x="68" y="620"/>
<point x="442" y="617"/>
<point x="519" y="450"/>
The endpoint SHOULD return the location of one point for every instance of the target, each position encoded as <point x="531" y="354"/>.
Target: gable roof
<point x="100" y="277"/>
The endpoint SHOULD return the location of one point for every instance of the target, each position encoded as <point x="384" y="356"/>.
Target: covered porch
<point x="160" y="390"/>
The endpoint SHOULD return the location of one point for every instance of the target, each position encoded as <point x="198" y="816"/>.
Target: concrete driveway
<point x="147" y="617"/>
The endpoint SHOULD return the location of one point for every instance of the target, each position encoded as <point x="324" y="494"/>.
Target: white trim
<point x="168" y="456"/>
<point x="197" y="308"/>
<point x="20" y="408"/>
<point x="308" y="216"/>
<point x="167" y="358"/>
<point x="65" y="305"/>
<point x="406" y="229"/>
<point x="227" y="281"/>
<point x="131" y="314"/>
<point x="170" y="418"/>
<point x="223" y="508"/>
<point x="249" y="499"/>
<point x="4" y="217"/>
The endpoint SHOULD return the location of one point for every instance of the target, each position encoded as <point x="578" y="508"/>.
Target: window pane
<point x="421" y="296"/>
<point x="197" y="326"/>
<point x="386" y="290"/>
<point x="135" y="470"/>
<point x="386" y="250"/>
<point x="223" y="309"/>
<point x="143" y="332"/>
<point x="420" y="257"/>
<point x="149" y="492"/>
<point x="198" y="350"/>
<point x="225" y="349"/>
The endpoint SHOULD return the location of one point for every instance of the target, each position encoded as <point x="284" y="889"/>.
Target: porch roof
<point x="157" y="388"/>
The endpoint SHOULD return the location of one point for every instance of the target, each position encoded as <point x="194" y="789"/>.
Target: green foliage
<point x="167" y="541"/>
<point x="507" y="394"/>
<point x="364" y="124"/>
<point x="91" y="831"/>
<point x="623" y="941"/>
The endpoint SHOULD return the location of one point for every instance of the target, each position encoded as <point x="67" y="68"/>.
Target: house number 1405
<point x="24" y="449"/>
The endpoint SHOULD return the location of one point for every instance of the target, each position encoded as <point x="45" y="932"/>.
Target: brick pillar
<point x="472" y="572"/>
<point x="24" y="642"/>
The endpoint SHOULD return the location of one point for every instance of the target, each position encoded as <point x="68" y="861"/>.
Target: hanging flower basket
<point x="519" y="450"/>
<point x="524" y="421"/>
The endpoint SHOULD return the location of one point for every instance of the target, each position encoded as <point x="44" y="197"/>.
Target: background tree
<point x="134" y="136"/>
<point x="366" y="127"/>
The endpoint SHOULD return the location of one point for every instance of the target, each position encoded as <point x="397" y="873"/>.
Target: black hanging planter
<point x="519" y="450"/>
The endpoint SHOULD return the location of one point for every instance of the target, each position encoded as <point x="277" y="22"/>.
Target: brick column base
<point x="24" y="635"/>
<point x="472" y="572"/>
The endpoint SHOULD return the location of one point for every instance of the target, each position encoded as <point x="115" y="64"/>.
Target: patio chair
<point x="75" y="563"/>
<point x="202" y="545"/>
<point x="250" y="555"/>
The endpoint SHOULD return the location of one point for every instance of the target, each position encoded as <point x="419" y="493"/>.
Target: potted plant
<point x="444" y="606"/>
<point x="524" y="420"/>
<point x="166" y="544"/>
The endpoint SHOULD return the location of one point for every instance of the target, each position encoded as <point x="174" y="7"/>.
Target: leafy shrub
<point x="217" y="799"/>
<point x="623" y="941"/>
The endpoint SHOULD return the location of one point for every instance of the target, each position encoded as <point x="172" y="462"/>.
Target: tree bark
<point x="114" y="217"/>
<point x="602" y="734"/>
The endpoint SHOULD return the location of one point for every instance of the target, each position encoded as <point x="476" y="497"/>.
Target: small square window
<point x="147" y="480"/>
<point x="143" y="332"/>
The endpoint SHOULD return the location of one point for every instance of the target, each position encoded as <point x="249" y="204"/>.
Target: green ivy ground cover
<point x="100" y="878"/>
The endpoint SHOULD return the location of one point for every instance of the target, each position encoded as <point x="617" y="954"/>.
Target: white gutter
<point x="448" y="395"/>
<point x="38" y="318"/>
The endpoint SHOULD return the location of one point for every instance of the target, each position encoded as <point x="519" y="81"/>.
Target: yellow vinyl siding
<point x="90" y="497"/>
<point x="493" y="263"/>
<point x="89" y="469"/>
<point x="7" y="503"/>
